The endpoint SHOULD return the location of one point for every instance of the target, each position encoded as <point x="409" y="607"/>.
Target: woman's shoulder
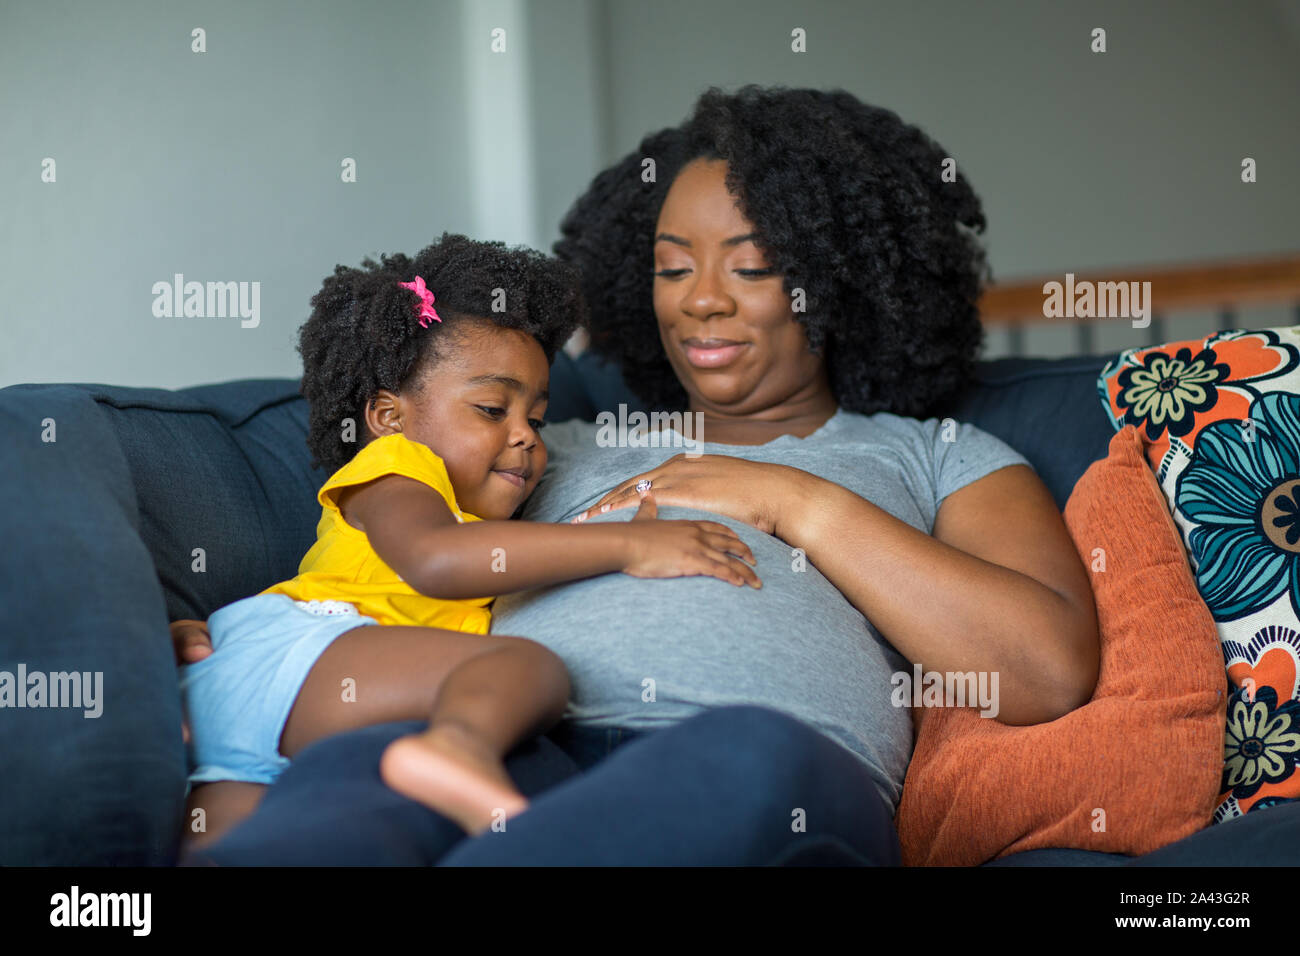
<point x="926" y="431"/>
<point x="932" y="457"/>
<point x="883" y="426"/>
<point x="952" y="450"/>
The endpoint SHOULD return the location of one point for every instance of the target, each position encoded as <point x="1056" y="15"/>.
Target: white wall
<point x="222" y="165"/>
<point x="225" y="165"/>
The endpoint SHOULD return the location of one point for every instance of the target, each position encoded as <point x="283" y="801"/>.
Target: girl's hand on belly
<point x="675" y="549"/>
<point x="754" y="492"/>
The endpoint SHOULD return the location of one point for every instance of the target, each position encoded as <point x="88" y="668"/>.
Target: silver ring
<point x="643" y="485"/>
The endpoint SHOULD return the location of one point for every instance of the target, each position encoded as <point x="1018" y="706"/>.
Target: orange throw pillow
<point x="1135" y="768"/>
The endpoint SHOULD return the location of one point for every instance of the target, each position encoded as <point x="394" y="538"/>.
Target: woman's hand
<point x="758" y="493"/>
<point x="675" y="549"/>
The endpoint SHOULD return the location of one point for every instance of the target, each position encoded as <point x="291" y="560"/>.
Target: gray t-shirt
<point x="644" y="653"/>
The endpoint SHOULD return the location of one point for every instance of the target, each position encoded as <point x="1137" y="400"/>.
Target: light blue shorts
<point x="238" y="698"/>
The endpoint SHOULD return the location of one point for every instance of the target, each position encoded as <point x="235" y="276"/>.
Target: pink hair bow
<point x="426" y="301"/>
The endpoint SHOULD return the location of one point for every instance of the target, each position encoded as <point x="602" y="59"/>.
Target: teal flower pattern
<point x="1242" y="490"/>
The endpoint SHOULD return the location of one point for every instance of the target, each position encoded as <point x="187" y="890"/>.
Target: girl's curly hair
<point x="850" y="207"/>
<point x="364" y="334"/>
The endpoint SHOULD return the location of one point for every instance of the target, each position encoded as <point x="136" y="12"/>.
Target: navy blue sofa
<point x="127" y="508"/>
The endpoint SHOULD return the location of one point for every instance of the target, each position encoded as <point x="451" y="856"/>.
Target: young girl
<point x="427" y="384"/>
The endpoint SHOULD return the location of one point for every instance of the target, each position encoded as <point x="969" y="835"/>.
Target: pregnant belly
<point x="643" y="653"/>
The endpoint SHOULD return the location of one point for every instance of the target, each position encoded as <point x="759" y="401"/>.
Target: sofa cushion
<point x="102" y="783"/>
<point x="227" y="495"/>
<point x="1134" y="769"/>
<point x="1220" y="421"/>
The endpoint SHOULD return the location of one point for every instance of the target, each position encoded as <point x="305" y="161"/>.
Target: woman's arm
<point x="414" y="532"/>
<point x="999" y="587"/>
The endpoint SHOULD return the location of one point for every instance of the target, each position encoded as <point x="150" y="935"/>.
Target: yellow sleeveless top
<point x="342" y="566"/>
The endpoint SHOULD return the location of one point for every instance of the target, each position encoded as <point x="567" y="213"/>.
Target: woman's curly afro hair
<point x="849" y="205"/>
<point x="364" y="334"/>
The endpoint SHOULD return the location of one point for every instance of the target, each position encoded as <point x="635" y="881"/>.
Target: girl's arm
<point x="414" y="532"/>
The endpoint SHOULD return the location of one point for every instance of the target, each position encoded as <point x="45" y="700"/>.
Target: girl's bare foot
<point x="451" y="770"/>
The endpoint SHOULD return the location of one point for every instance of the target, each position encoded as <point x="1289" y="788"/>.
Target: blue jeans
<point x="732" y="786"/>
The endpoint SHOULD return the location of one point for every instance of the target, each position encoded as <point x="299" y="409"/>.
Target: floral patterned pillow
<point x="1220" y="423"/>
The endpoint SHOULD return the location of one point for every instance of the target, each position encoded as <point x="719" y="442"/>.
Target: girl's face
<point x="725" y="320"/>
<point x="479" y="408"/>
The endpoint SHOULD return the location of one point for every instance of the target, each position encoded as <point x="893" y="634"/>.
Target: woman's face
<point x="725" y="321"/>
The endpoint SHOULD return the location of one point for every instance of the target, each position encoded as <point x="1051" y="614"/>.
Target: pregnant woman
<point x="790" y="270"/>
